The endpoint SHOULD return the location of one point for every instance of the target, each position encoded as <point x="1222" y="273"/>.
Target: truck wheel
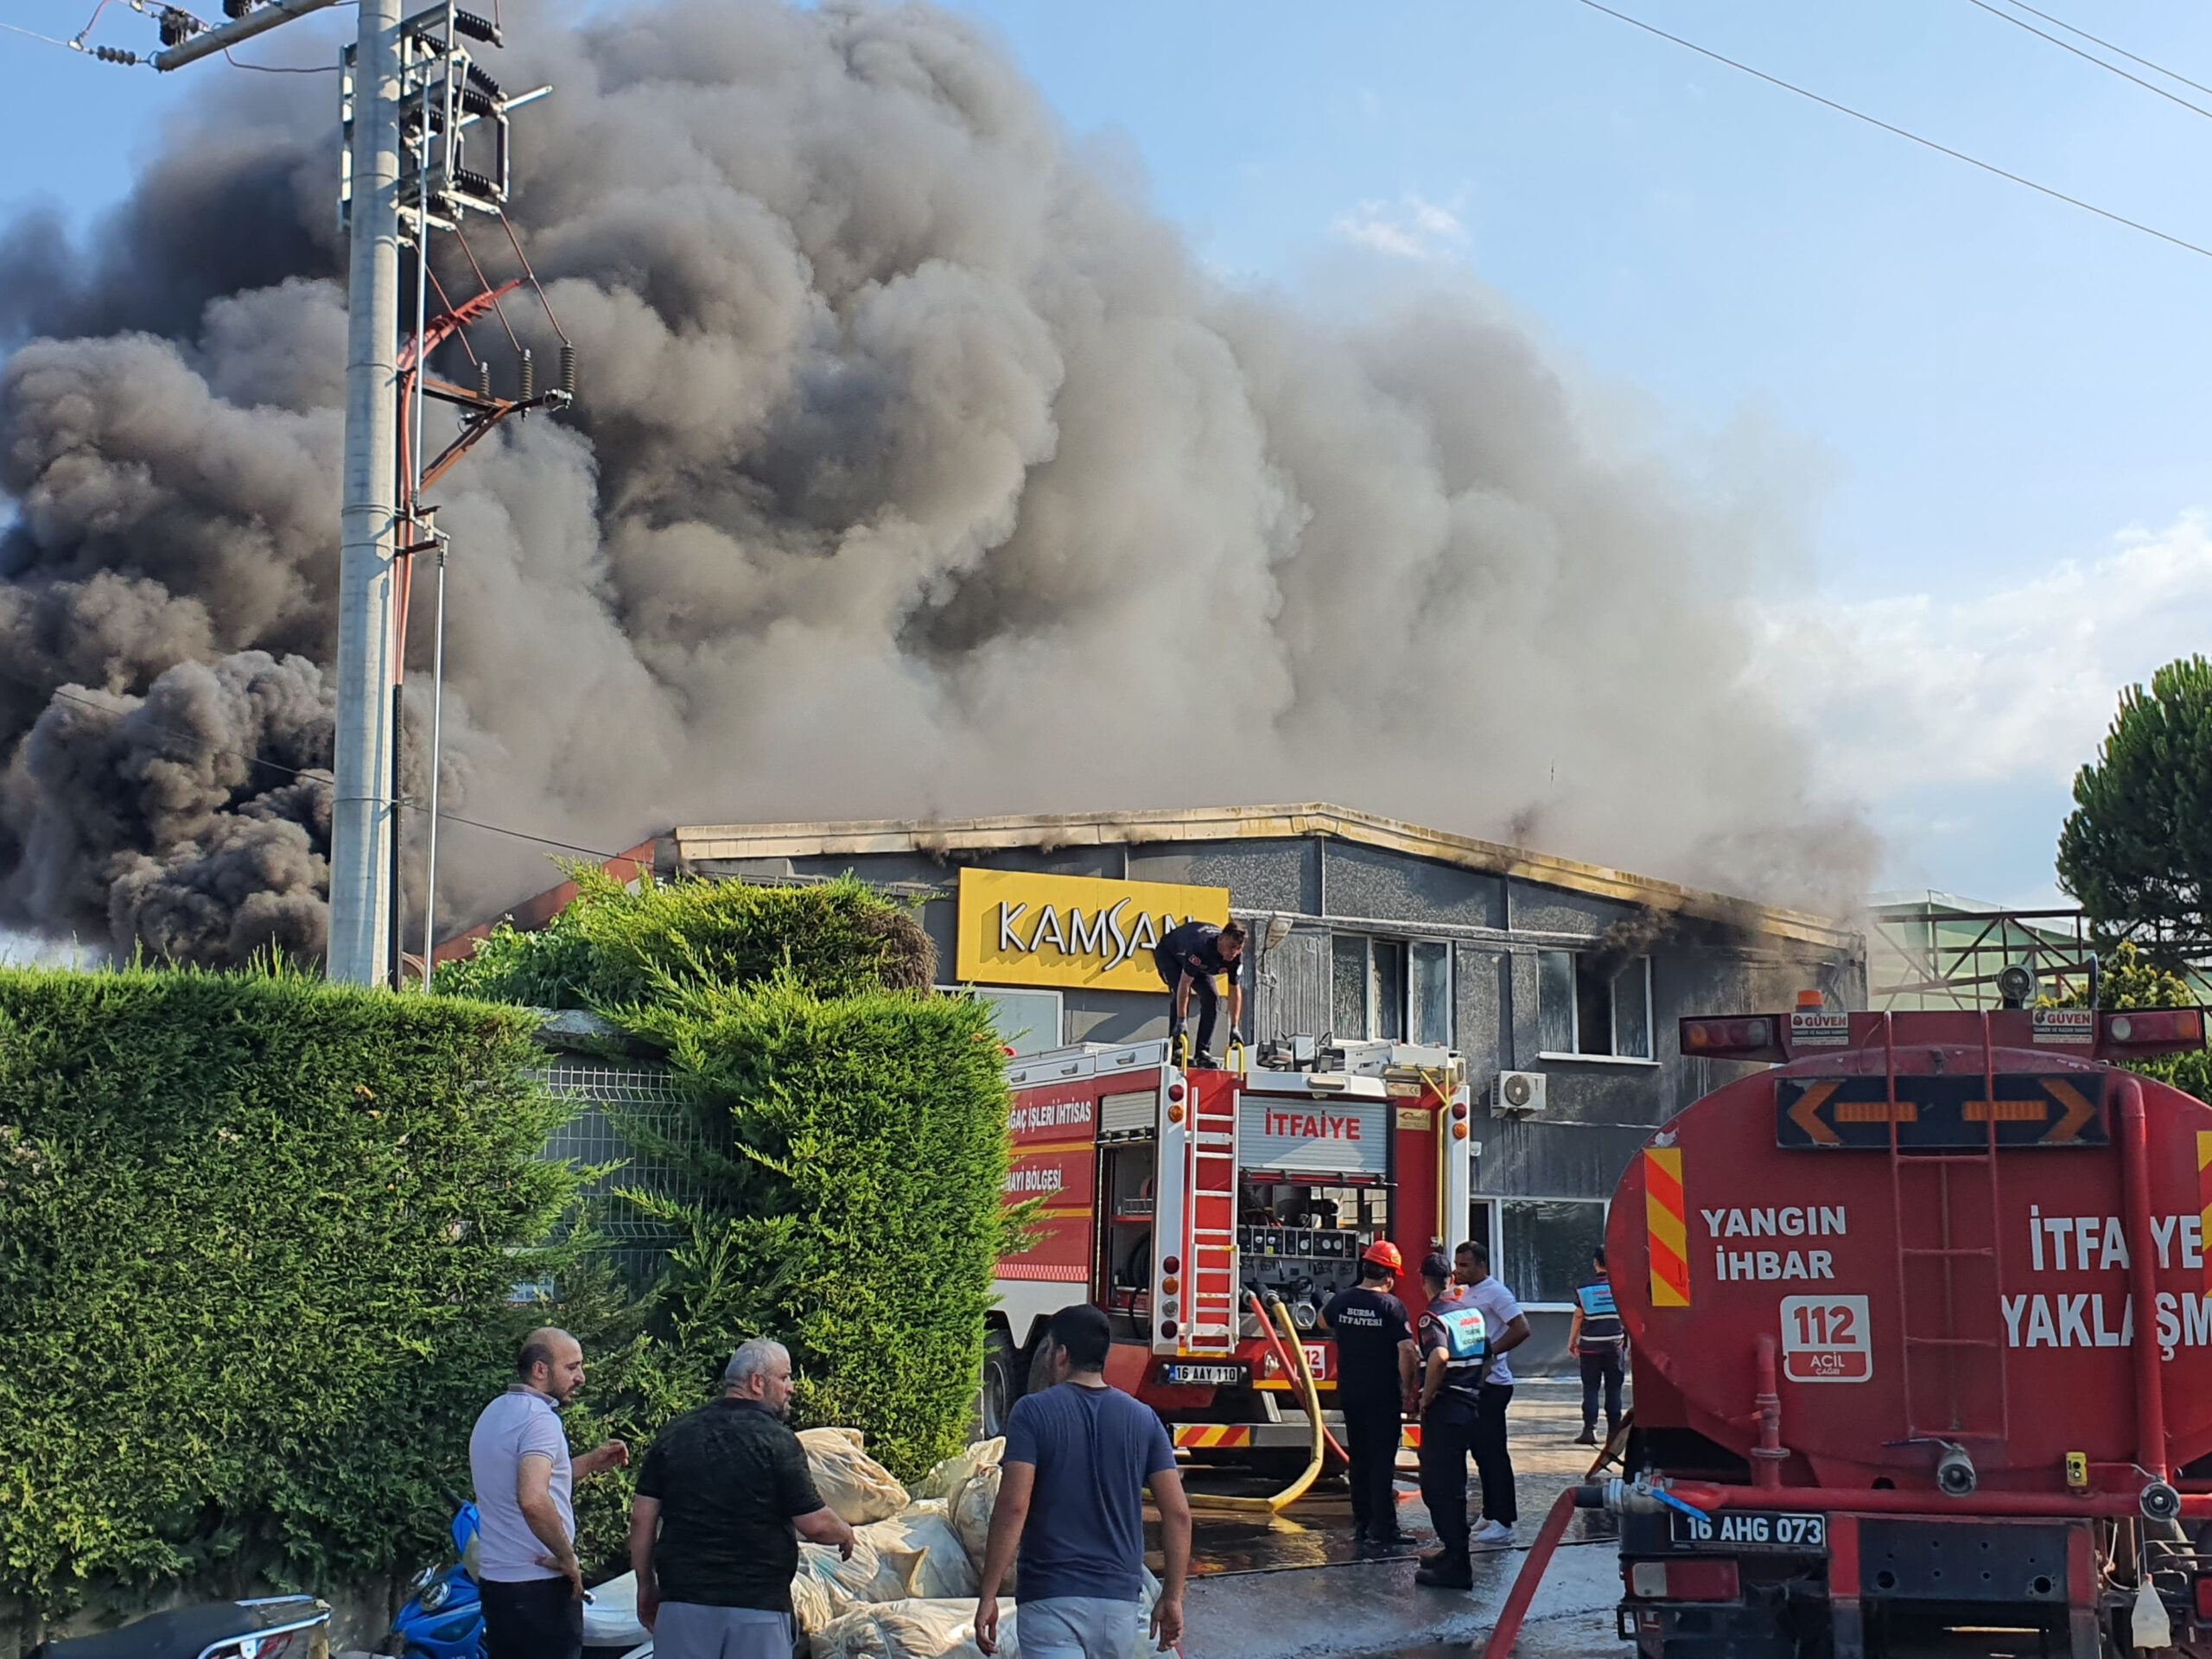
<point x="1001" y="1384"/>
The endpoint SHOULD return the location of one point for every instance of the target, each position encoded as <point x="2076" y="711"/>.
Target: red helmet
<point x="1383" y="1254"/>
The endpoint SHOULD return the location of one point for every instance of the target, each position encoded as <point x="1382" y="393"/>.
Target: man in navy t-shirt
<point x="1078" y="1456"/>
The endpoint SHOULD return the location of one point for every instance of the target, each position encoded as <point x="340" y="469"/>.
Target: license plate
<point x="1750" y="1529"/>
<point x="1227" y="1376"/>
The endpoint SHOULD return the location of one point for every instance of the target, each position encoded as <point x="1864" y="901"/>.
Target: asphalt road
<point x="1293" y="1586"/>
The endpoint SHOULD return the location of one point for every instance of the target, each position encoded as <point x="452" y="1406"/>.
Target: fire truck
<point x="1920" y="1329"/>
<point x="1183" y="1202"/>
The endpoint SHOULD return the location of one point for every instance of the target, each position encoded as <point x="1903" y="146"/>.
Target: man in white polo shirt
<point x="532" y="1585"/>
<point x="1508" y="1329"/>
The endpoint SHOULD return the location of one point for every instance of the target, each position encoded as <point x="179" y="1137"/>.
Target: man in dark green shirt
<point x="723" y="1499"/>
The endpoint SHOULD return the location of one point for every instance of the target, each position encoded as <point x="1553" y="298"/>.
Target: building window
<point x="1026" y="1022"/>
<point x="1390" y="990"/>
<point x="1593" y="1005"/>
<point x="1545" y="1245"/>
<point x="1428" y="1017"/>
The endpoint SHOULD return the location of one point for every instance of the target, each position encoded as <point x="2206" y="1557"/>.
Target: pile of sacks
<point x="909" y="1591"/>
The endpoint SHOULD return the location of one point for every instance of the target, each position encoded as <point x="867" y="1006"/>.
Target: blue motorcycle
<point x="445" y="1619"/>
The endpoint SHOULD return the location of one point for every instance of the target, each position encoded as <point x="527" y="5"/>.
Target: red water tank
<point x="1931" y="1219"/>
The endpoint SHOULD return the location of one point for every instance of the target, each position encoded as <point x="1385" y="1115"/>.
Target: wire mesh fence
<point x="607" y="1097"/>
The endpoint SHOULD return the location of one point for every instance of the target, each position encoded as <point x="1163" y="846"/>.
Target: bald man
<point x="518" y="1456"/>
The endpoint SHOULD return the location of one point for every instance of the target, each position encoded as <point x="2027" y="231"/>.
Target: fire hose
<point x="1282" y="1359"/>
<point x="1319" y="1439"/>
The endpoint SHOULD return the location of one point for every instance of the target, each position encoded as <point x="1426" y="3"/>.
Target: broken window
<point x="1390" y="990"/>
<point x="1589" y="1003"/>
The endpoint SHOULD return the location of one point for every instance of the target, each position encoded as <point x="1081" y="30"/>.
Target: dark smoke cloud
<point x="917" y="470"/>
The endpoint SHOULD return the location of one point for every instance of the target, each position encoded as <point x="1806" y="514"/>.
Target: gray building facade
<point x="1368" y="927"/>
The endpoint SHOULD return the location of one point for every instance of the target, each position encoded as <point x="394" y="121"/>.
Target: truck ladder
<point x="1951" y="1277"/>
<point x="1215" y="1283"/>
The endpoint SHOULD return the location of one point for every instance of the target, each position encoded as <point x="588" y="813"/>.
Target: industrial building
<point x="1560" y="983"/>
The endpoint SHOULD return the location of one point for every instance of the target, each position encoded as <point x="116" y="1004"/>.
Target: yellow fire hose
<point x="1290" y="1494"/>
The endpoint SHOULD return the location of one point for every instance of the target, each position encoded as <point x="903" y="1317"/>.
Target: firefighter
<point x="1188" y="958"/>
<point x="1375" y="1362"/>
<point x="1455" y="1337"/>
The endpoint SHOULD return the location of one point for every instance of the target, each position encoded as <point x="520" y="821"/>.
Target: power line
<point x="2085" y="35"/>
<point x="1925" y="143"/>
<point x="321" y="774"/>
<point x="278" y="69"/>
<point x="51" y="40"/>
<point x="2090" y="57"/>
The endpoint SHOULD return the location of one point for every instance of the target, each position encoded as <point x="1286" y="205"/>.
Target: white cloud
<point x="2018" y="682"/>
<point x="1986" y="702"/>
<point x="1410" y="228"/>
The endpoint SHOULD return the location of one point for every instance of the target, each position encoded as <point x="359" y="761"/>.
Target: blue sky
<point x="1987" y="409"/>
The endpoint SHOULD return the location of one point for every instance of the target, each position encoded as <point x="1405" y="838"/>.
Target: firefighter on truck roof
<point x="1188" y="958"/>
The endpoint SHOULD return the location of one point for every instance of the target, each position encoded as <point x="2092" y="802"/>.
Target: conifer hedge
<point x="257" y="1239"/>
<point x="613" y="947"/>
<point x="852" y="1154"/>
<point x="841" y="1153"/>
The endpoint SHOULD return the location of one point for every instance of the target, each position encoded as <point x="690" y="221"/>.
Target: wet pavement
<point x="1272" y="1587"/>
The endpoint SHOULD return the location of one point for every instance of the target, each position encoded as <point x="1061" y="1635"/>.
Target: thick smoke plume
<point x="917" y="470"/>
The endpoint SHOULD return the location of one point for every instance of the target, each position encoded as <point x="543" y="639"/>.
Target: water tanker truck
<point x="1920" y="1325"/>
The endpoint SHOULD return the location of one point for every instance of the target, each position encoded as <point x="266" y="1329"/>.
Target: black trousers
<point x="1371" y="1431"/>
<point x="1201" y="992"/>
<point x="538" y="1618"/>
<point x="1448" y="1433"/>
<point x="1500" y="1501"/>
<point x="1603" y="1366"/>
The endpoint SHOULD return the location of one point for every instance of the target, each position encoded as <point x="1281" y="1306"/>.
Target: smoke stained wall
<point x="917" y="470"/>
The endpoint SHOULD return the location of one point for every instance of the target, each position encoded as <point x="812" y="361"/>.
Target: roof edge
<point x="1050" y="831"/>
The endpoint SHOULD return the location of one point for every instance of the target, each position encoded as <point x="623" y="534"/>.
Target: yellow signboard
<point x="1077" y="932"/>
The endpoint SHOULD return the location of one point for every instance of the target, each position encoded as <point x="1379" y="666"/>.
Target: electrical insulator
<point x="177" y="27"/>
<point x="568" y="370"/>
<point x="114" y="55"/>
<point x="483" y="379"/>
<point x="529" y="377"/>
<point x="237" y="7"/>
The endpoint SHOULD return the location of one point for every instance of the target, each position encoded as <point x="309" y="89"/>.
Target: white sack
<point x="873" y="1574"/>
<point x="925" y="1527"/>
<point x="856" y="1485"/>
<point x="813" y="1604"/>
<point x="913" y="1629"/>
<point x="971" y="1507"/>
<point x="948" y="1476"/>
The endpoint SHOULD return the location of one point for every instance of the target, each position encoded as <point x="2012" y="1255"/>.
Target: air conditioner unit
<point x="1518" y="1094"/>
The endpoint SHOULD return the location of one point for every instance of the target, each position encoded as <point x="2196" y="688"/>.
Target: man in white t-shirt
<point x="1508" y="1329"/>
<point x="531" y="1585"/>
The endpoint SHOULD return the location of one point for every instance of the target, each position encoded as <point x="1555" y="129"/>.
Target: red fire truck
<point x="1171" y="1198"/>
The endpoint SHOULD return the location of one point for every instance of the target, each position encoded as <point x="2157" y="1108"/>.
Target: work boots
<point x="1447" y="1573"/>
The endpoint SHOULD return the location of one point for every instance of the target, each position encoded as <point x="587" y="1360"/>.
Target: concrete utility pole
<point x="428" y="54"/>
<point x="361" y="808"/>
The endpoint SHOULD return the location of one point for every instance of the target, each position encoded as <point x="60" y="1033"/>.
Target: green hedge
<point x="257" y="1236"/>
<point x="852" y="1154"/>
<point x="613" y="947"/>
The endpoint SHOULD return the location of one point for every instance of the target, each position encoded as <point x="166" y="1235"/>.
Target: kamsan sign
<point x="1076" y="933"/>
